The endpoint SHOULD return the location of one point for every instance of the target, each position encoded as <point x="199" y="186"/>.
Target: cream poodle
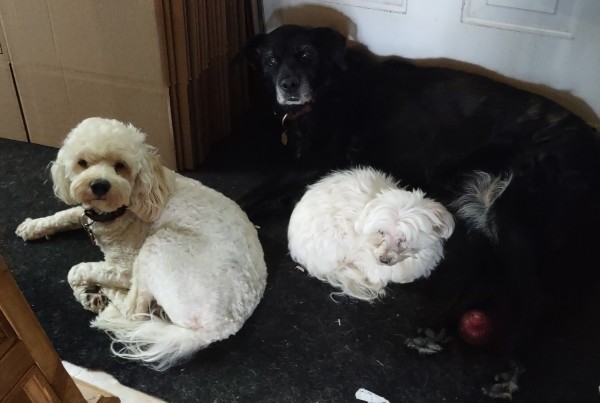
<point x="358" y="231"/>
<point x="183" y="266"/>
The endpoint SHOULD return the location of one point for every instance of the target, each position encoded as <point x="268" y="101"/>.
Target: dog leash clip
<point x="87" y="224"/>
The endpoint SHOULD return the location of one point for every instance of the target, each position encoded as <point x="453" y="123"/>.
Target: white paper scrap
<point x="370" y="397"/>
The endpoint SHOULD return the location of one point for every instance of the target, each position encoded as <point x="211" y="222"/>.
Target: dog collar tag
<point x="284" y="136"/>
<point x="87" y="224"/>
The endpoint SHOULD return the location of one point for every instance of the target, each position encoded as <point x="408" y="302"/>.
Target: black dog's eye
<point x="82" y="163"/>
<point x="305" y="54"/>
<point x="119" y="166"/>
<point x="272" y="61"/>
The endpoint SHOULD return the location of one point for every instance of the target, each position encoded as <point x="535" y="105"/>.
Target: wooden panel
<point x="35" y="343"/>
<point x="7" y="335"/>
<point x="13" y="365"/>
<point x="547" y="17"/>
<point x="34" y="388"/>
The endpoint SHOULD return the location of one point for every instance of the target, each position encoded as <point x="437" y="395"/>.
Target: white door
<point x="548" y="46"/>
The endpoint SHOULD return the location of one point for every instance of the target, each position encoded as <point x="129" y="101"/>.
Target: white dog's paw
<point x="78" y="274"/>
<point x="31" y="229"/>
<point x="135" y="303"/>
<point x="91" y="298"/>
<point x="95" y="300"/>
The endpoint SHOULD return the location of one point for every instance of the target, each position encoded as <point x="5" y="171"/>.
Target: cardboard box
<point x="11" y="120"/>
<point x="76" y="59"/>
<point x="163" y="65"/>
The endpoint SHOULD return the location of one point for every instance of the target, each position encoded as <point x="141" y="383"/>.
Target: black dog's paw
<point x="95" y="300"/>
<point x="429" y="342"/>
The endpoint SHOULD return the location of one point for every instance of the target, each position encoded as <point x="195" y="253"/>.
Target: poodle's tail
<point x="479" y="193"/>
<point x="150" y="338"/>
<point x="355" y="283"/>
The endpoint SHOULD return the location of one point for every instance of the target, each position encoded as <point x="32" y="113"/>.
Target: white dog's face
<point x="104" y="165"/>
<point x="398" y="224"/>
<point x="102" y="182"/>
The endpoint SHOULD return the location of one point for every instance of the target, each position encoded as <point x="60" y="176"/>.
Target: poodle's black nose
<point x="100" y="187"/>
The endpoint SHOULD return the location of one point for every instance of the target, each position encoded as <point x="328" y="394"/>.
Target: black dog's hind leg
<point x="283" y="190"/>
<point x="518" y="261"/>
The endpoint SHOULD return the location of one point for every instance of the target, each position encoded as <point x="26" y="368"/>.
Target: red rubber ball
<point x="475" y="328"/>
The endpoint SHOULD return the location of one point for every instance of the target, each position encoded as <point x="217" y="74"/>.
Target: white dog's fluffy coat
<point x="358" y="231"/>
<point x="180" y="245"/>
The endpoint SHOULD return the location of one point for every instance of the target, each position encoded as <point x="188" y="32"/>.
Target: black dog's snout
<point x="289" y="84"/>
<point x="100" y="187"/>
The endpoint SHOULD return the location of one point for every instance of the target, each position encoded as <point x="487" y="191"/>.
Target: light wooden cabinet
<point x="30" y="369"/>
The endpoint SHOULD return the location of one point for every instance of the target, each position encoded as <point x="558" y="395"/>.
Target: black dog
<point x="429" y="127"/>
<point x="339" y="107"/>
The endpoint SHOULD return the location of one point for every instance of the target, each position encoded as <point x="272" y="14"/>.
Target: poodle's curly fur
<point x="179" y="245"/>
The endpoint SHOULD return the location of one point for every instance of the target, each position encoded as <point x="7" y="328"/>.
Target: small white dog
<point x="358" y="231"/>
<point x="167" y="240"/>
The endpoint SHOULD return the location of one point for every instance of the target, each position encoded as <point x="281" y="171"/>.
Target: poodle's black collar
<point x="105" y="217"/>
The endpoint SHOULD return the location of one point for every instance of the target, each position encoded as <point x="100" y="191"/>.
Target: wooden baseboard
<point x="94" y="394"/>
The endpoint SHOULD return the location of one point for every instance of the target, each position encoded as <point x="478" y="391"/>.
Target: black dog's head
<point x="295" y="61"/>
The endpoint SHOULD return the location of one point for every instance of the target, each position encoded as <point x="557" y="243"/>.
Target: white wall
<point x="562" y="62"/>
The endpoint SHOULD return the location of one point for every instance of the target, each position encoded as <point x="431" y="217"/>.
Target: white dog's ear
<point x="61" y="182"/>
<point x="443" y="224"/>
<point x="151" y="189"/>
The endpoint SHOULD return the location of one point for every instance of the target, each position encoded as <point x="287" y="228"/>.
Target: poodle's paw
<point x="429" y="342"/>
<point x="94" y="299"/>
<point x="78" y="274"/>
<point x="506" y="384"/>
<point x="31" y="229"/>
<point x="137" y="304"/>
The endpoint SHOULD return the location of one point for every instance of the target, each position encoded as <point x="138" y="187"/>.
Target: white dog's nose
<point x="100" y="187"/>
<point x="385" y="259"/>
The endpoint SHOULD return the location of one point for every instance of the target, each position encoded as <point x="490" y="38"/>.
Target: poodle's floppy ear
<point x="370" y="217"/>
<point x="443" y="224"/>
<point x="151" y="189"/>
<point x="60" y="181"/>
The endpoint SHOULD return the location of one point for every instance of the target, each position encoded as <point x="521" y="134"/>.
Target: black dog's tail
<point x="479" y="193"/>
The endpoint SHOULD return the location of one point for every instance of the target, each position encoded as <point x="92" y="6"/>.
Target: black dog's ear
<point x="333" y="44"/>
<point x="251" y="49"/>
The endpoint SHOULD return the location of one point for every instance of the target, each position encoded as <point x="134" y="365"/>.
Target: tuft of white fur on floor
<point x="358" y="231"/>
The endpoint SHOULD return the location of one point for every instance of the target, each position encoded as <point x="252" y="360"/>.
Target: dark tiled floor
<point x="299" y="346"/>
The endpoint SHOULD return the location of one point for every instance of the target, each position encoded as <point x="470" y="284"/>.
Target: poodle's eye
<point x="82" y="163"/>
<point x="380" y="232"/>
<point x="119" y="166"/>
